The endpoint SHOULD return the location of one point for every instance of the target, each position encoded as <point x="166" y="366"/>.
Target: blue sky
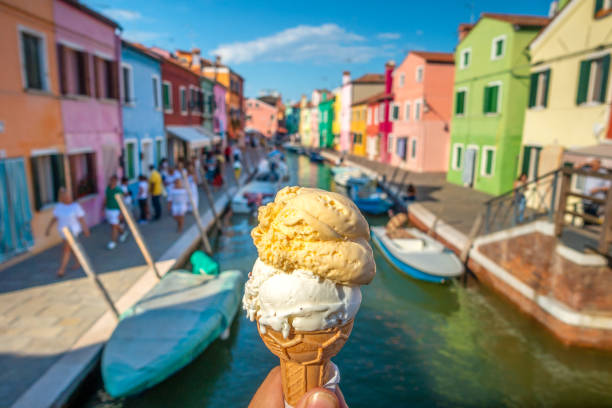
<point x="295" y="46"/>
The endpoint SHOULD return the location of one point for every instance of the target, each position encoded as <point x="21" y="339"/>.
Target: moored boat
<point x="258" y="192"/>
<point x="316" y="157"/>
<point x="367" y="197"/>
<point x="168" y="328"/>
<point x="419" y="256"/>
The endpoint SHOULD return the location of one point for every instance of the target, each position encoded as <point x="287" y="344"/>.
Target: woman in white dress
<point x="67" y="214"/>
<point x="178" y="203"/>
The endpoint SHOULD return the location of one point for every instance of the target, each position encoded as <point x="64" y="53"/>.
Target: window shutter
<point x="583" y="82"/>
<point x="486" y="98"/>
<point x="35" y="182"/>
<point x="546" y="85"/>
<point x="96" y="77"/>
<point x="493" y="108"/>
<point x="61" y="63"/>
<point x="526" y="160"/>
<point x="533" y="89"/>
<point x="605" y="66"/>
<point x="598" y="6"/>
<point x="57" y="171"/>
<point x="114" y="80"/>
<point x="86" y="66"/>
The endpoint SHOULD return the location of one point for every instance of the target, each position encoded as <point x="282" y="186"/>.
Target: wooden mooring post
<point x="137" y="235"/>
<point x="211" y="202"/>
<point x="81" y="256"/>
<point x="196" y="214"/>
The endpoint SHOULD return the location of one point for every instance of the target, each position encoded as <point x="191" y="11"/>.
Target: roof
<point x="370" y="79"/>
<point x="142" y="49"/>
<point x="381" y="96"/>
<point x="92" y="13"/>
<point x="269" y="99"/>
<point x="518" y="19"/>
<point x="168" y="57"/>
<point x="443" y="57"/>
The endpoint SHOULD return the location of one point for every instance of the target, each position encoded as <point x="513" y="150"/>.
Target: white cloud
<point x="389" y="36"/>
<point x="143" y="36"/>
<point x="324" y="43"/>
<point x="122" y="14"/>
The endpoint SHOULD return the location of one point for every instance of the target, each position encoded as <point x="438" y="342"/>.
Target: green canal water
<point x="414" y="344"/>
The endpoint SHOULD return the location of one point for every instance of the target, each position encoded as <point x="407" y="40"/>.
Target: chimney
<point x="464" y="29"/>
<point x="217" y="60"/>
<point x="195" y="58"/>
<point x="346" y="77"/>
<point x="553" y="9"/>
<point x="389" y="66"/>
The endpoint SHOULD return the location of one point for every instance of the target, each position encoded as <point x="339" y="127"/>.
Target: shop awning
<point x="194" y="135"/>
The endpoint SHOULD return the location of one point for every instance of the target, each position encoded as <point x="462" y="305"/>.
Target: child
<point x="178" y="203"/>
<point x="67" y="214"/>
<point x="143" y="198"/>
<point x="112" y="212"/>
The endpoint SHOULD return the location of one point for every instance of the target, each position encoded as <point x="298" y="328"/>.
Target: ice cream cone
<point x="305" y="356"/>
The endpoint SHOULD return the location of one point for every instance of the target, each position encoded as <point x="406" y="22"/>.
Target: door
<point x="15" y="214"/>
<point x="469" y="168"/>
<point x="147" y="156"/>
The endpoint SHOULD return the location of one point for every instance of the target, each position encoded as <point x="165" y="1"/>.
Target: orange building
<point x="32" y="155"/>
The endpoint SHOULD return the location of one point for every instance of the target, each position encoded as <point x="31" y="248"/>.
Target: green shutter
<point x="605" y="66"/>
<point x="533" y="89"/>
<point x="130" y="160"/>
<point x="489" y="163"/>
<point x="485" y="107"/>
<point x="493" y="99"/>
<point x="458" y="158"/>
<point x="526" y="160"/>
<point x="598" y="5"/>
<point x="546" y="86"/>
<point x="583" y="82"/>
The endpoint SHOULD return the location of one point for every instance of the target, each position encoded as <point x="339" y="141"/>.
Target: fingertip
<point x="319" y="398"/>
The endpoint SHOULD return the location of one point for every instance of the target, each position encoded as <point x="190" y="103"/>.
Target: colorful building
<point x="220" y="111"/>
<point x="379" y="124"/>
<point x="261" y="117"/>
<point x="207" y="86"/>
<point x="326" y="115"/>
<point x="89" y="53"/>
<point x="33" y="162"/>
<point x="421" y="111"/>
<point x="490" y="98"/>
<point x="305" y="122"/>
<point x="358" y="127"/>
<point x="317" y="96"/>
<point x="143" y="119"/>
<point x="337" y="109"/>
<point x="569" y="94"/>
<point x="292" y="118"/>
<point x="345" y="120"/>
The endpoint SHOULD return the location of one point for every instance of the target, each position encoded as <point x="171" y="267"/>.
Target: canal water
<point x="413" y="344"/>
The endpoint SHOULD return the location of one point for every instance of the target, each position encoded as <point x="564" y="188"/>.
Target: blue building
<point x="144" y="136"/>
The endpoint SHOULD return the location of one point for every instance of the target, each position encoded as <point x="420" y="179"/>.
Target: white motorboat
<point x="260" y="191"/>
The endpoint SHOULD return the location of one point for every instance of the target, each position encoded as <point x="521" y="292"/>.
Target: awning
<point x="194" y="135"/>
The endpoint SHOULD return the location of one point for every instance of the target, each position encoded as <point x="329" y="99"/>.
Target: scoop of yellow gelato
<point x="315" y="230"/>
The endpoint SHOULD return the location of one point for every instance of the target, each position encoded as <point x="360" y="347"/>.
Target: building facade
<point x="337" y="110"/>
<point x="143" y="119"/>
<point x="261" y="117"/>
<point x="345" y="113"/>
<point x="33" y="162"/>
<point x="569" y="94"/>
<point x="358" y="128"/>
<point x="490" y="97"/>
<point x="305" y="122"/>
<point x="220" y="112"/>
<point x="234" y="97"/>
<point x="326" y="115"/>
<point x="89" y="54"/>
<point x="421" y="111"/>
<point x="379" y="124"/>
<point x="292" y="119"/>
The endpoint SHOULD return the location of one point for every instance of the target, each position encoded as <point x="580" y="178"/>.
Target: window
<point x="419" y="74"/>
<point x="159" y="150"/>
<point x="417" y="110"/>
<point x="498" y="47"/>
<point x="407" y="111"/>
<point x="413" y="148"/>
<point x="33" y="60"/>
<point x="127" y="87"/>
<point x="603" y="8"/>
<point x="538" y="89"/>
<point x="130" y="159"/>
<point x="395" y="114"/>
<point x="73" y="71"/>
<point x="487" y="166"/>
<point x="492" y="96"/>
<point x="83" y="174"/>
<point x="390" y="144"/>
<point x="531" y="161"/>
<point x="167" y="96"/>
<point x="375" y="114"/>
<point x="156" y="92"/>
<point x="460" y="102"/>
<point x="183" y="99"/>
<point x="400" y="147"/>
<point x="369" y="120"/>
<point x="593" y="80"/>
<point x="382" y="113"/>
<point x="47" y="178"/>
<point x="457" y="156"/>
<point x="402" y="80"/>
<point x="464" y="58"/>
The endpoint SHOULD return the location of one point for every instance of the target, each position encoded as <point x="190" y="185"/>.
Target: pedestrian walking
<point x="112" y="213"/>
<point x="177" y="204"/>
<point x="194" y="181"/>
<point x="520" y="201"/>
<point x="67" y="213"/>
<point x="156" y="190"/>
<point x="218" y="176"/>
<point x="143" y="199"/>
<point x="237" y="169"/>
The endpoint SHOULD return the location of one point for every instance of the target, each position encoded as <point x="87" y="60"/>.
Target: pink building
<point x="423" y="89"/>
<point x="261" y="117"/>
<point x="88" y="58"/>
<point x="379" y="124"/>
<point x="345" y="112"/>
<point x="220" y="113"/>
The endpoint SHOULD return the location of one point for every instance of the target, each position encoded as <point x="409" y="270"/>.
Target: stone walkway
<point x="42" y="316"/>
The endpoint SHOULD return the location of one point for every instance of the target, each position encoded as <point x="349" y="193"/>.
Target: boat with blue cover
<point x="367" y="197"/>
<point x="168" y="328"/>
<point x="418" y="255"/>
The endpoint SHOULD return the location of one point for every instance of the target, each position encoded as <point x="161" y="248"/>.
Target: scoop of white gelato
<point x="299" y="299"/>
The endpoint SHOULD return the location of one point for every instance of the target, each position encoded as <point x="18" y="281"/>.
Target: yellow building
<point x="358" y="127"/>
<point x="569" y="99"/>
<point x="336" y="122"/>
<point x="305" y="121"/>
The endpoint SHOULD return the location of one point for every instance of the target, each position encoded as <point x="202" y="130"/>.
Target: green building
<point x="292" y="118"/>
<point x="326" y="119"/>
<point x="490" y="97"/>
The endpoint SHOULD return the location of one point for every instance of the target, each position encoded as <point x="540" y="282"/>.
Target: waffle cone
<point x="305" y="357"/>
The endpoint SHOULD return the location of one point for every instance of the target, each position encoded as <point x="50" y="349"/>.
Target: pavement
<point x="42" y="317"/>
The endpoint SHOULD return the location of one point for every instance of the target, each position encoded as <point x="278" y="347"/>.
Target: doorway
<point x="469" y="168"/>
<point x="147" y="156"/>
